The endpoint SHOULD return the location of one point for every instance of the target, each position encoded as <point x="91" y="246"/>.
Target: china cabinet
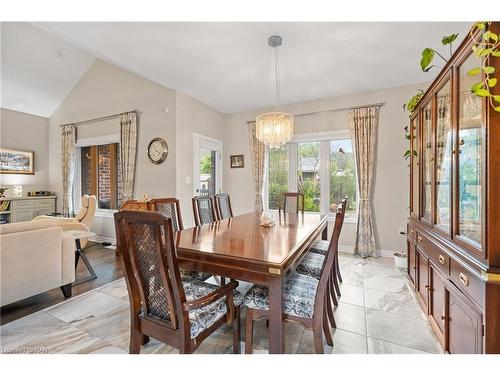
<point x="454" y="223"/>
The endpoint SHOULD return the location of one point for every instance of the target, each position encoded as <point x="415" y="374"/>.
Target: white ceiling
<point x="33" y="79"/>
<point x="226" y="65"/>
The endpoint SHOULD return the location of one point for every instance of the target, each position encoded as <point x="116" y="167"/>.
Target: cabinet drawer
<point x="412" y="232"/>
<point x="45" y="203"/>
<point x="468" y="282"/>
<point x="438" y="257"/>
<point x="23" y="205"/>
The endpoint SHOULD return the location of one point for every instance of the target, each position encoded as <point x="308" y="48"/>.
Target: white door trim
<point x="210" y="143"/>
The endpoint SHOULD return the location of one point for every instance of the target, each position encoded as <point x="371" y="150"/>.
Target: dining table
<point x="241" y="248"/>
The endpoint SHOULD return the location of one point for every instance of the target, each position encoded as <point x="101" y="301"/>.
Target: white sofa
<point x="35" y="256"/>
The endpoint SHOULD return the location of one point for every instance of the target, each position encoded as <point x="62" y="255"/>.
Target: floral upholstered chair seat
<point x="319" y="247"/>
<point x="311" y="265"/>
<point x="202" y="318"/>
<point x="298" y="296"/>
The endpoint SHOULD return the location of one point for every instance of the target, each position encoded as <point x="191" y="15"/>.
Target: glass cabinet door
<point x="414" y="150"/>
<point x="470" y="153"/>
<point x="443" y="157"/>
<point x="427" y="162"/>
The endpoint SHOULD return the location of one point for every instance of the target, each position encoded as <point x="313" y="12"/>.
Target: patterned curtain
<point x="363" y="125"/>
<point x="128" y="152"/>
<point x="258" y="150"/>
<point x="68" y="152"/>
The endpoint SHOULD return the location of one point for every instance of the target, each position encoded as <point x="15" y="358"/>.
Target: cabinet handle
<point x="464" y="279"/>
<point x="442" y="260"/>
<point x="412" y="232"/>
<point x="419" y="239"/>
<point x="427" y="287"/>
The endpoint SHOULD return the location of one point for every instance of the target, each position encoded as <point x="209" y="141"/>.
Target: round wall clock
<point x="157" y="150"/>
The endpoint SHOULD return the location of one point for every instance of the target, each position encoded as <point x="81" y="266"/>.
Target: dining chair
<point x="293" y="202"/>
<point x="170" y="207"/>
<point x="223" y="206"/>
<point x="305" y="298"/>
<point x="180" y="313"/>
<point x="311" y="263"/>
<point x="203" y="210"/>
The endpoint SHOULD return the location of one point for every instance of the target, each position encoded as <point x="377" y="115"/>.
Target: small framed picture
<point x="237" y="161"/>
<point x="16" y="161"/>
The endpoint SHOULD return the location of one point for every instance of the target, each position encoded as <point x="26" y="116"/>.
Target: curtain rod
<point x="103" y="118"/>
<point x="380" y="104"/>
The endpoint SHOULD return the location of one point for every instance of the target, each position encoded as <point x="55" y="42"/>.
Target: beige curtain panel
<point x="258" y="150"/>
<point x="363" y="126"/>
<point x="128" y="152"/>
<point x="68" y="153"/>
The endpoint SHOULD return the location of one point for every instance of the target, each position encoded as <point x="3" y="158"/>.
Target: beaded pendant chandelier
<point x="274" y="128"/>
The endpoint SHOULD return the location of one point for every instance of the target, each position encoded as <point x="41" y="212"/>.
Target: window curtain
<point x="258" y="153"/>
<point x="363" y="126"/>
<point x="128" y="152"/>
<point x="68" y="153"/>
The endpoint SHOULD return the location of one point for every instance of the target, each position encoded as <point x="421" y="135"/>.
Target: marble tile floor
<point x="377" y="313"/>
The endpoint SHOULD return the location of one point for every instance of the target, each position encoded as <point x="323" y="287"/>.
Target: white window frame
<point x="77" y="181"/>
<point x="324" y="138"/>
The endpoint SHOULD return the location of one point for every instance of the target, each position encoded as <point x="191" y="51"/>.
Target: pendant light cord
<point x="277" y="74"/>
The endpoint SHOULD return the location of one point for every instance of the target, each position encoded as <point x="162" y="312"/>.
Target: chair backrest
<point x="223" y="206"/>
<point x="326" y="270"/>
<point x="293" y="202"/>
<point x="145" y="240"/>
<point x="203" y="210"/>
<point x="168" y="207"/>
<point x="87" y="212"/>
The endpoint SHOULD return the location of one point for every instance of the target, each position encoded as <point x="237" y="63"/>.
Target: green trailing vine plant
<point x="486" y="45"/>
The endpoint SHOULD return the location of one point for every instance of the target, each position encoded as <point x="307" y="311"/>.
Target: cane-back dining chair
<point x="203" y="210"/>
<point x="170" y="207"/>
<point x="292" y="202"/>
<point x="223" y="206"/>
<point x="180" y="313"/>
<point x="305" y="299"/>
<point x="312" y="262"/>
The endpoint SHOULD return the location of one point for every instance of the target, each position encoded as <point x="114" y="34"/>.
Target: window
<point x="100" y="174"/>
<point x="342" y="175"/>
<point x="322" y="168"/>
<point x="308" y="174"/>
<point x="278" y="175"/>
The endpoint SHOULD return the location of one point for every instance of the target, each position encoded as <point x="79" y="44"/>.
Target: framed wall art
<point x="16" y="161"/>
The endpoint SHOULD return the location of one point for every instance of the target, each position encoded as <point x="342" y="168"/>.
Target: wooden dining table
<point x="240" y="248"/>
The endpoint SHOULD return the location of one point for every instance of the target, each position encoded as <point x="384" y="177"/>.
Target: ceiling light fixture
<point x="274" y="128"/>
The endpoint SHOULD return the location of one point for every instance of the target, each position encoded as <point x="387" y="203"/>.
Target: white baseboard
<point x="103" y="239"/>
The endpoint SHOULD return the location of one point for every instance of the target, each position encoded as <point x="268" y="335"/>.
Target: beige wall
<point x="30" y="133"/>
<point x="106" y="89"/>
<point x="192" y="116"/>
<point x="390" y="199"/>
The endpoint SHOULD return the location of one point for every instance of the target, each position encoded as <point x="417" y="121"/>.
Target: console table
<point x="26" y="208"/>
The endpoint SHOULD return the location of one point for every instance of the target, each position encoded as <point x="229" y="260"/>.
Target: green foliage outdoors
<point x="342" y="176"/>
<point x="206" y="163"/>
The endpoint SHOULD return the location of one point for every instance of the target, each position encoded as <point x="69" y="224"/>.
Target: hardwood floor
<point x="106" y="265"/>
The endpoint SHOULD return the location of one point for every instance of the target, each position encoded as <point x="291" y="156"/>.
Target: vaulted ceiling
<point x="225" y="65"/>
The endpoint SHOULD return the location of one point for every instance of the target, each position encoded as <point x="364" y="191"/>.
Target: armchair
<point x="82" y="221"/>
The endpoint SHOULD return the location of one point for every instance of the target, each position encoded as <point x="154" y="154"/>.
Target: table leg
<point x="80" y="254"/>
<point x="276" y="324"/>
